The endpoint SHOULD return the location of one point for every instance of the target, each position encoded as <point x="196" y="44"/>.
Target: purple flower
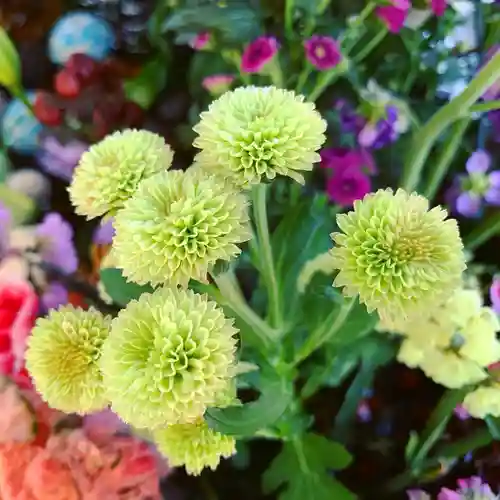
<point x="364" y="412"/>
<point x="347" y="186"/>
<point x="339" y="159"/>
<point x="477" y="187"/>
<point x="495" y="294"/>
<point x="54" y="295"/>
<point x="461" y="413"/>
<point x="382" y="132"/>
<point x="55" y="237"/>
<point x="258" y="53"/>
<point x="494" y="118"/>
<point x="5" y="221"/>
<point x="217" y="84"/>
<point x="60" y="159"/>
<point x="323" y="52"/>
<point x="200" y="41"/>
<point x="468" y="489"/>
<point x="351" y="122"/>
<point x="103" y="234"/>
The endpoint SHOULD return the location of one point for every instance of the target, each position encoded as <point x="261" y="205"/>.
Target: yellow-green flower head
<point x="169" y="355"/>
<point x="256" y="133"/>
<point x="484" y="401"/>
<point x="455" y="343"/>
<point x="62" y="357"/>
<point x="177" y="226"/>
<point x="109" y="173"/>
<point x="396" y="254"/>
<point x="194" y="446"/>
<point x="10" y="64"/>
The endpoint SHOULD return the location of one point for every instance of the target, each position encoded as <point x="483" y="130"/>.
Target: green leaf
<point x="4" y="165"/>
<point x="247" y="419"/>
<point x="22" y="208"/>
<point x="493" y="426"/>
<point x="118" y="288"/>
<point x="303" y="468"/>
<point x="235" y="23"/>
<point x="145" y="87"/>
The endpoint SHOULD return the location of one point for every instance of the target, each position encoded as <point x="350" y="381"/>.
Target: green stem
<point x="234" y="57"/>
<point x="230" y="295"/>
<point x="325" y="331"/>
<point x="274" y="71"/>
<point x="370" y="46"/>
<point x="289" y="5"/>
<point x="436" y="425"/>
<point x="489" y="228"/>
<point x="259" y="195"/>
<point x="23" y="97"/>
<point x="484" y="107"/>
<point x="450" y="148"/>
<point x="304" y="75"/>
<point x="325" y="79"/>
<point x="458" y="107"/>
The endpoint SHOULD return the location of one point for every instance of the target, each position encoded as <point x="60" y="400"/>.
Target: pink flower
<point x="495" y="294"/>
<point x="323" y="52"/>
<point x="200" y="41"/>
<point x="217" y="84"/>
<point x="258" y="53"/>
<point x="347" y="186"/>
<point x="18" y="310"/>
<point x="394" y="16"/>
<point x="339" y="159"/>
<point x="438" y="7"/>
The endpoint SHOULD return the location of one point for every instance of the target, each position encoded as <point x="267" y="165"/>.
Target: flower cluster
<point x="472" y="488"/>
<point x="455" y="344"/>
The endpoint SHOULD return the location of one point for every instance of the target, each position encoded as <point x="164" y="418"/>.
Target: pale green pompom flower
<point x="256" y="133"/>
<point x="177" y="226"/>
<point x="194" y="446"/>
<point x="398" y="256"/>
<point x="62" y="358"/>
<point x="109" y="173"/>
<point x="169" y="356"/>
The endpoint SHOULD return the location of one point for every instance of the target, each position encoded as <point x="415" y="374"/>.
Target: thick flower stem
<point x="324" y="80"/>
<point x="484" y="107"/>
<point x="458" y="107"/>
<point x="326" y="331"/>
<point x="450" y="148"/>
<point x="230" y="295"/>
<point x="370" y="46"/>
<point x="265" y="254"/>
<point x="289" y="6"/>
<point x="489" y="228"/>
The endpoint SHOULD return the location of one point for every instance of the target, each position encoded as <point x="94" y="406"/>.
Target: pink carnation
<point x="323" y="52"/>
<point x="345" y="187"/>
<point x="217" y="84"/>
<point x="394" y="16"/>
<point x="200" y="41"/>
<point x="258" y="53"/>
<point x="438" y="7"/>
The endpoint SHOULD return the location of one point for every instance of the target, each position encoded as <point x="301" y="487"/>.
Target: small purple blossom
<point x="200" y="41"/>
<point x="468" y="489"/>
<point x="381" y="132"/>
<point x="104" y="233"/>
<point x="217" y="84"/>
<point x="258" y="53"/>
<point x="495" y="294"/>
<point x="54" y="295"/>
<point x="60" y="159"/>
<point x="323" y="52"/>
<point x="347" y="186"/>
<point x="494" y="118"/>
<point x="339" y="159"/>
<point x="471" y="191"/>
<point x="364" y="412"/>
<point x="461" y="413"/>
<point x="55" y="237"/>
<point x="5" y="221"/>
<point x="351" y="122"/>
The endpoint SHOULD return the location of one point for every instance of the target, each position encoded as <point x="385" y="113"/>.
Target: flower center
<point x="407" y="249"/>
<point x="320" y="52"/>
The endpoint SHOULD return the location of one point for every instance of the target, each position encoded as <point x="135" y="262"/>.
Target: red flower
<point x="18" y="311"/>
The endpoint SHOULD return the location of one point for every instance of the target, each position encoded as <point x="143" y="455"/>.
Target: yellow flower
<point x="484" y="401"/>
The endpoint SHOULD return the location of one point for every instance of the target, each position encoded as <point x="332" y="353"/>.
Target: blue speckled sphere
<point x="20" y="130"/>
<point x="80" y="32"/>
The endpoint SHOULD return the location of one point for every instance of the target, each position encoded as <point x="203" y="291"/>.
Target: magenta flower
<point x="200" y="41"/>
<point x="338" y="159"/>
<point x="258" y="53"/>
<point x="394" y="16"/>
<point x="495" y="294"/>
<point x="5" y="221"/>
<point x="323" y="52"/>
<point x="217" y="84"/>
<point x="438" y="7"/>
<point x="347" y="186"/>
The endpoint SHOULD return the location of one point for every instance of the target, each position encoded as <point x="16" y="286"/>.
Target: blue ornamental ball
<point x="80" y="32"/>
<point x="20" y="130"/>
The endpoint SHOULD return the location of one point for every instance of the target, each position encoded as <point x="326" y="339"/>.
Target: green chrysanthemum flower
<point x="194" y="446"/>
<point x="62" y="357"/>
<point x="168" y="357"/>
<point x="110" y="171"/>
<point x="254" y="133"/>
<point x="396" y="254"/>
<point x="177" y="226"/>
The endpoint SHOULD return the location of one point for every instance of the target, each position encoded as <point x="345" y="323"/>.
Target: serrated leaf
<point x="118" y="288"/>
<point x="249" y="418"/>
<point x="303" y="467"/>
<point x="145" y="87"/>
